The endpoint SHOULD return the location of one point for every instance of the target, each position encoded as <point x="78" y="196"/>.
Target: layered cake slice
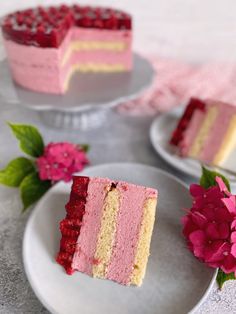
<point x="206" y="131"/>
<point x="107" y="230"/>
<point x="45" y="46"/>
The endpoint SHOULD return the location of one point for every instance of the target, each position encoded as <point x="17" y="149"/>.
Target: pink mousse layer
<point x="40" y="69"/>
<point x="127" y="230"/>
<point x="86" y="243"/>
<point x="217" y="133"/>
<point x="191" y="132"/>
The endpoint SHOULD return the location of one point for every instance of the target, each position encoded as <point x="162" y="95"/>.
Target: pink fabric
<point x="176" y="82"/>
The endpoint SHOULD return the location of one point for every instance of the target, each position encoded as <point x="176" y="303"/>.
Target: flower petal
<point x="214" y="265"/>
<point x="221" y="184"/>
<point x="209" y="212"/>
<point x="222" y="214"/>
<point x="233" y="237"/>
<point x="198" y="238"/>
<point x="188" y="224"/>
<point x="198" y="251"/>
<point x="233" y="250"/>
<point x="196" y="190"/>
<point x="216" y="251"/>
<point x="199" y="219"/>
<point x="230" y="204"/>
<point x="233" y="225"/>
<point x="214" y="195"/>
<point x="223" y="229"/>
<point x="212" y="231"/>
<point x="229" y="264"/>
<point x="60" y="161"/>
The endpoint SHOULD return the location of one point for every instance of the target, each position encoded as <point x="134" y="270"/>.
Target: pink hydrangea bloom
<point x="60" y="161"/>
<point x="210" y="226"/>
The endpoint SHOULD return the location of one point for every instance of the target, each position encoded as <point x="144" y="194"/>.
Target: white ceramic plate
<point x="160" y="134"/>
<point x="175" y="281"/>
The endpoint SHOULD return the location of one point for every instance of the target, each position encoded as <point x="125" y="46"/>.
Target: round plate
<point x="175" y="281"/>
<point x="160" y="134"/>
<point x="86" y="91"/>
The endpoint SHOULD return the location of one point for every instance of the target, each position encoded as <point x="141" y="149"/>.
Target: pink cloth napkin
<point x="175" y="82"/>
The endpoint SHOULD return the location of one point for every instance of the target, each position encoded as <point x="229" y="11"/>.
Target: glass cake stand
<point x="88" y="99"/>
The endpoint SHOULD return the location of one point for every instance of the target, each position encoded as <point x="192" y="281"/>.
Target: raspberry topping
<point x="70" y="226"/>
<point x="48" y="26"/>
<point x="194" y="104"/>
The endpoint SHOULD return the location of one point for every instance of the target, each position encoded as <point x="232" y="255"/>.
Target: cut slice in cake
<point x="107" y="230"/>
<point x="46" y="45"/>
<point x="206" y="131"/>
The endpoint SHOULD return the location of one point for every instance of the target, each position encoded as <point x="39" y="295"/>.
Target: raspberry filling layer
<point x="178" y="134"/>
<point x="70" y="226"/>
<point x="47" y="27"/>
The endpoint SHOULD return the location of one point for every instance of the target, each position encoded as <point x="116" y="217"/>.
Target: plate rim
<point x="46" y="195"/>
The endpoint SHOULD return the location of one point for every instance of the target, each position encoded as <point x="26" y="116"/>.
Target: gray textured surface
<point x="120" y="139"/>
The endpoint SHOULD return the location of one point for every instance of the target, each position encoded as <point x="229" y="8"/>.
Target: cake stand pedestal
<point x="83" y="121"/>
<point x="90" y="95"/>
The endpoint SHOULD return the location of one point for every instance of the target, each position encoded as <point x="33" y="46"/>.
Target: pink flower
<point x="210" y="226"/>
<point x="60" y="161"/>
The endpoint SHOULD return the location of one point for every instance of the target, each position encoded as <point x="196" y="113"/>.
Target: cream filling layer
<point x="76" y="46"/>
<point x="228" y="143"/>
<point x="143" y="247"/>
<point x="92" y="67"/>
<point x="106" y="234"/>
<point x="202" y="135"/>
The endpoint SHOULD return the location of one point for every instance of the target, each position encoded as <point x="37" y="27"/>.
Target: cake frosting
<point x="42" y="63"/>
<point x="115" y="230"/>
<point x="206" y="131"/>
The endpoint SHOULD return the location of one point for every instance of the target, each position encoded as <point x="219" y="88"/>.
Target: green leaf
<point x="84" y="147"/>
<point x="15" y="171"/>
<point x="222" y="278"/>
<point x="31" y="141"/>
<point x="32" y="189"/>
<point x="208" y="178"/>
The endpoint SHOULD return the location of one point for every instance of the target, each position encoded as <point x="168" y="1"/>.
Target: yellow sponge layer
<point x="117" y="46"/>
<point x="106" y="234"/>
<point x="203" y="132"/>
<point x="93" y="67"/>
<point x="142" y="253"/>
<point x="228" y="144"/>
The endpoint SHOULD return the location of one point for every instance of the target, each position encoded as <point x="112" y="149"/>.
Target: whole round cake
<point x="45" y="46"/>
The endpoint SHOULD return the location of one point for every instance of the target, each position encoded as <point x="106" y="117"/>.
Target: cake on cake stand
<point x="88" y="99"/>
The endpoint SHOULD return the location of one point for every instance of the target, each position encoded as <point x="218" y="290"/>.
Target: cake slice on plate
<point x="46" y="45"/>
<point x="206" y="131"/>
<point x="107" y="230"/>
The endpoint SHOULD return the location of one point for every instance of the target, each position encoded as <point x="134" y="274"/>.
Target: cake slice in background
<point x="107" y="230"/>
<point x="46" y="45"/>
<point x="206" y="131"/>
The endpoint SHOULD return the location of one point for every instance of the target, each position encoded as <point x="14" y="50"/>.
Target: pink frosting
<point x="86" y="244"/>
<point x="217" y="132"/>
<point x="127" y="230"/>
<point x="191" y="132"/>
<point x="39" y="68"/>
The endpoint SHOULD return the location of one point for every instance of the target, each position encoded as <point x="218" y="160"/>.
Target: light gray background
<point x="186" y="29"/>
